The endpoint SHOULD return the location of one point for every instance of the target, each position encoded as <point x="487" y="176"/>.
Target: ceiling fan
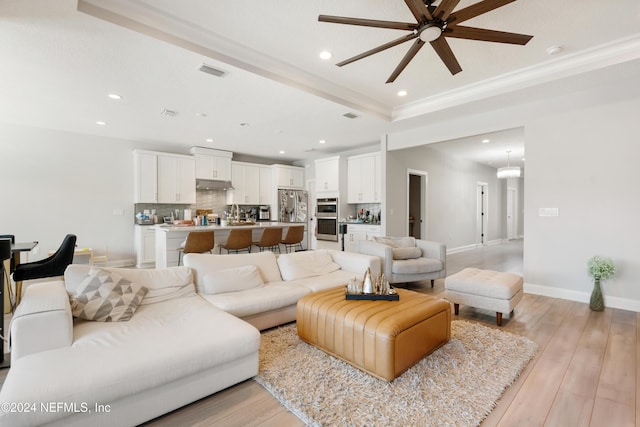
<point x="434" y="25"/>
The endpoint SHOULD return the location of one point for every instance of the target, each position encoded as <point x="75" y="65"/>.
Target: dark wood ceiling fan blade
<point x="445" y="53"/>
<point x="472" y="33"/>
<point x="368" y="22"/>
<point x="405" y="61"/>
<point x="378" y="49"/>
<point x="419" y="10"/>
<point x="445" y="8"/>
<point x="478" y="9"/>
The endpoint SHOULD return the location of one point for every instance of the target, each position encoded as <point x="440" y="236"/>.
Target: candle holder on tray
<point x="371" y="289"/>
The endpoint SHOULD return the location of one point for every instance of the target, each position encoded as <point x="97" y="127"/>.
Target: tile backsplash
<point x="216" y="200"/>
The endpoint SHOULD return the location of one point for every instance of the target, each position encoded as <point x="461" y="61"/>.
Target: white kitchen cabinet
<point x="266" y="187"/>
<point x="328" y="175"/>
<point x="373" y="231"/>
<point x="245" y="178"/>
<point x="357" y="232"/>
<point x="363" y="178"/>
<point x="145" y="169"/>
<point x="176" y="179"/>
<point x="288" y="176"/>
<point x="212" y="164"/>
<point x="145" y="246"/>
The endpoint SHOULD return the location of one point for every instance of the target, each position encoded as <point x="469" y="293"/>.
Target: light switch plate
<point x="549" y="212"/>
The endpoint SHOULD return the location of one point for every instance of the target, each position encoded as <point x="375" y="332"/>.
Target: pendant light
<point x="509" y="171"/>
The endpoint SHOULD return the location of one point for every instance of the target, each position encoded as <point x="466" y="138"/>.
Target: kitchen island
<point x="170" y="237"/>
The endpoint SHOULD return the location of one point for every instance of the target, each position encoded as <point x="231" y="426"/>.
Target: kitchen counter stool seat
<point x="294" y="236"/>
<point x="197" y="242"/>
<point x="270" y="239"/>
<point x="239" y="240"/>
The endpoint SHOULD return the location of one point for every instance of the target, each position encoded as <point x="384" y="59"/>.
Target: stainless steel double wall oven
<point x="327" y="215"/>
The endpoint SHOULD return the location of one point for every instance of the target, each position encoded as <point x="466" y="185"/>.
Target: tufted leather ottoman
<point x="491" y="290"/>
<point x="382" y="338"/>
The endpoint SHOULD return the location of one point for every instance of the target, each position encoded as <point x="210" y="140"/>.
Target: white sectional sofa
<point x="285" y="280"/>
<point x="179" y="346"/>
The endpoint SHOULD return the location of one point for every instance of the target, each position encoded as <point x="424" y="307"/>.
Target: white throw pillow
<point x="300" y="265"/>
<point x="397" y="242"/>
<point x="407" y="253"/>
<point x="232" y="280"/>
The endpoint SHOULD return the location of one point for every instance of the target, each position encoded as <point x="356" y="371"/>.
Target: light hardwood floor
<point x="584" y="374"/>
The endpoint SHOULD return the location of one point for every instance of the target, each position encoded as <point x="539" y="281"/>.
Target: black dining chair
<point x="13" y="240"/>
<point x="53" y="266"/>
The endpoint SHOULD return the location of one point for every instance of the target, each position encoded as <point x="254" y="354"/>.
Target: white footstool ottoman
<point x="490" y="290"/>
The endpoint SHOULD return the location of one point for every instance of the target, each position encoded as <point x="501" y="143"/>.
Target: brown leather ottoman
<point x="382" y="338"/>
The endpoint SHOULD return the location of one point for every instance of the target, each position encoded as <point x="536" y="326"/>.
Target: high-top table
<point x="5" y="301"/>
<point x="16" y="249"/>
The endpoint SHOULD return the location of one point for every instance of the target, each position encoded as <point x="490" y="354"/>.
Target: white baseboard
<point x="116" y="263"/>
<point x="609" y="301"/>
<point x="497" y="241"/>
<point x="461" y="249"/>
<point x="474" y="246"/>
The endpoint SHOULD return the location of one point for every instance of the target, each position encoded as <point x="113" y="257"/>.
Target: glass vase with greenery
<point x="599" y="268"/>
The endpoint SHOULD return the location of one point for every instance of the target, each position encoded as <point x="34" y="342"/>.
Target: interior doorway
<point x="417" y="204"/>
<point x="512" y="200"/>
<point x="482" y="213"/>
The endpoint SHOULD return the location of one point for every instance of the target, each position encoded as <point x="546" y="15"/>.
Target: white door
<point x="511" y="210"/>
<point x="482" y="214"/>
<point x="311" y="213"/>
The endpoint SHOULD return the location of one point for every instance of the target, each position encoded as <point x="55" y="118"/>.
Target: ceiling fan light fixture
<point x="430" y="33"/>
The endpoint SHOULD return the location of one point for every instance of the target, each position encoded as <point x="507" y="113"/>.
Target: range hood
<point x="211" y="184"/>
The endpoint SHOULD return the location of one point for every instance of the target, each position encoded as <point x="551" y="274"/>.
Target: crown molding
<point x="605" y="55"/>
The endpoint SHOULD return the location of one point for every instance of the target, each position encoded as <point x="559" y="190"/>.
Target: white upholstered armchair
<point x="406" y="259"/>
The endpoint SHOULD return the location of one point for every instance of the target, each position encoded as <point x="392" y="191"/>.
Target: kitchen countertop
<point x="360" y="223"/>
<point x="264" y="224"/>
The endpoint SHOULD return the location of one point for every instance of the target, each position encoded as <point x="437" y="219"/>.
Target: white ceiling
<point x="60" y="59"/>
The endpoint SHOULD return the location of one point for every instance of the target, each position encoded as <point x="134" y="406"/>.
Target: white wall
<point x="55" y="183"/>
<point x="582" y="154"/>
<point x="451" y="201"/>
<point x="584" y="162"/>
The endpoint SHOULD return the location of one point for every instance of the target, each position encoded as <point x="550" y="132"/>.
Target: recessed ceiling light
<point x="402" y="93"/>
<point x="523" y="159"/>
<point x="114" y="96"/>
<point x="244" y="124"/>
<point x="209" y="139"/>
<point x="325" y="54"/>
<point x="322" y="141"/>
<point x="486" y="141"/>
<point x="281" y="151"/>
<point x="101" y="123"/>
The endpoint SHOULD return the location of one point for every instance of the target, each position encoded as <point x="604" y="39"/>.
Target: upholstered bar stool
<point x="197" y="242"/>
<point x="270" y="239"/>
<point x="239" y="240"/>
<point x="294" y="237"/>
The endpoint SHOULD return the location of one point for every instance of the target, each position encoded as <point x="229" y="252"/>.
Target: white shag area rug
<point x="456" y="385"/>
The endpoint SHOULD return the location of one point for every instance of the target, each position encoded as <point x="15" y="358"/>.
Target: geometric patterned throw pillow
<point x="106" y="297"/>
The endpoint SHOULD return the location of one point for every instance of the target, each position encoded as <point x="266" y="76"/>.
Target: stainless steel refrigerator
<point x="292" y="206"/>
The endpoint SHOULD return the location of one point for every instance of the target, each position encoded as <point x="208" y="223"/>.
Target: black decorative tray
<point x="373" y="297"/>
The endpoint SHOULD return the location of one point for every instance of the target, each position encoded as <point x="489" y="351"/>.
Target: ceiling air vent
<point x="169" y="113"/>
<point x="210" y="70"/>
<point x="349" y="115"/>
